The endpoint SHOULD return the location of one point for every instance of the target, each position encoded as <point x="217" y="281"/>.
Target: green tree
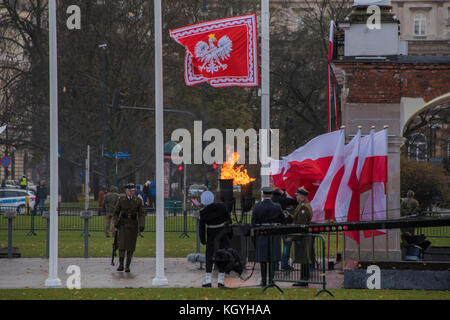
<point x="429" y="182"/>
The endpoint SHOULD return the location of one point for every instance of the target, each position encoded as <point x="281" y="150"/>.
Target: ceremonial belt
<point x="129" y="215"/>
<point x="213" y="226"/>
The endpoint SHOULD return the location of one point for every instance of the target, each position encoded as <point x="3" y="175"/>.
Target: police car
<point x="15" y="199"/>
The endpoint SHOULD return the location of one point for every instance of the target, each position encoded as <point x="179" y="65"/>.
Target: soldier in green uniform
<point x="130" y="217"/>
<point x="409" y="207"/>
<point x="109" y="205"/>
<point x="303" y="246"/>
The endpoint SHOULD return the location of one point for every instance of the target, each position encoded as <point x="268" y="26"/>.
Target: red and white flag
<point x="347" y="199"/>
<point x="374" y="175"/>
<point x="313" y="166"/>
<point x="222" y="52"/>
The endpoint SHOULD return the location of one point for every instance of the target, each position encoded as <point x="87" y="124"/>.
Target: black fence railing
<point x="70" y="219"/>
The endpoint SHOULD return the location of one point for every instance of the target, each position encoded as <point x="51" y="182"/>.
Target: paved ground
<point x="98" y="273"/>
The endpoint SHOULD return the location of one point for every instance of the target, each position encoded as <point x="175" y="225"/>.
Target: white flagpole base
<point x="160" y="282"/>
<point x="53" y="282"/>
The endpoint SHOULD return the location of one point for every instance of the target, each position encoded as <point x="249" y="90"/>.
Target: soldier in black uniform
<point x="213" y="217"/>
<point x="267" y="212"/>
<point x="130" y="217"/>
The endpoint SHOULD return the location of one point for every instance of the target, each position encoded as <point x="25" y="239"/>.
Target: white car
<point x="14" y="199"/>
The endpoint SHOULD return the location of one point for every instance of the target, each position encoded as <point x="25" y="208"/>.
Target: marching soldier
<point x="109" y="205"/>
<point x="303" y="246"/>
<point x="130" y="216"/>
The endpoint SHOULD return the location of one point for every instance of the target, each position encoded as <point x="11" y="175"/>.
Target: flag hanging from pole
<point x="222" y="52"/>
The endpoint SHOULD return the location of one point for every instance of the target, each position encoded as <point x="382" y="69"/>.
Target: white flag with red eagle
<point x="222" y="52"/>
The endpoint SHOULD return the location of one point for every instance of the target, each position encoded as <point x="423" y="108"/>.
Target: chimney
<point x="364" y="37"/>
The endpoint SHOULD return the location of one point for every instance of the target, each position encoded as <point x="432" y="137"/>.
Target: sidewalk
<point x="21" y="273"/>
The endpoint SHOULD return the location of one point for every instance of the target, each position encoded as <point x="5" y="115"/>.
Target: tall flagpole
<point x="265" y="92"/>
<point x="160" y="279"/>
<point x="53" y="280"/>
<point x="386" y="127"/>
<point x="372" y="132"/>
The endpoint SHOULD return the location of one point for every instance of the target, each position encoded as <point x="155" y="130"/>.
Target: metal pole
<point x="86" y="238"/>
<point x="372" y="133"/>
<point x="104" y="46"/>
<point x="160" y="279"/>
<point x="10" y="230"/>
<point x="53" y="280"/>
<point x="386" y="127"/>
<point x="86" y="181"/>
<point x="265" y="93"/>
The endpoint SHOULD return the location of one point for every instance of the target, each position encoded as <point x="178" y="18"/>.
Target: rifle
<point x="114" y="246"/>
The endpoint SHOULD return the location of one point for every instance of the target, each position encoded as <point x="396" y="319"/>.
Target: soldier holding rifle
<point x="130" y="215"/>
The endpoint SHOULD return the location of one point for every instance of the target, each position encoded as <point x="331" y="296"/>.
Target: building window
<point x="420" y="25"/>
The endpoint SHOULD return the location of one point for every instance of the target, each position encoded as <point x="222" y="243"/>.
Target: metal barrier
<point x="175" y="220"/>
<point x="307" y="267"/>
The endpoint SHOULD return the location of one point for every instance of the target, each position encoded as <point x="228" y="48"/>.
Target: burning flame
<point x="238" y="174"/>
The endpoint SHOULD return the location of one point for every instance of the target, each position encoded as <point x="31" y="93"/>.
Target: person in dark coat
<point x="267" y="212"/>
<point x="41" y="196"/>
<point x="130" y="216"/>
<point x="213" y="217"/>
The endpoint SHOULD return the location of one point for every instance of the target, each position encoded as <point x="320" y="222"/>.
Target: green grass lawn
<point x="215" y="294"/>
<point x="71" y="243"/>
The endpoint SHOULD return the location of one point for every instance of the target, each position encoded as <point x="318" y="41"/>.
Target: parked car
<point x="11" y="184"/>
<point x="196" y="190"/>
<point x="14" y="199"/>
<point x="32" y="187"/>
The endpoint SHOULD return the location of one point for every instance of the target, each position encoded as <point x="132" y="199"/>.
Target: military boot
<point x="120" y="268"/>
<point x="127" y="267"/>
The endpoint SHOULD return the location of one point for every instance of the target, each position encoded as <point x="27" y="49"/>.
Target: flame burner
<point x="226" y="193"/>
<point x="247" y="199"/>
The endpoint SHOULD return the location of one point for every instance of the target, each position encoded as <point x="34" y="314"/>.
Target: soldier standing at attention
<point x="130" y="217"/>
<point x="109" y="204"/>
<point x="303" y="245"/>
<point x="267" y="212"/>
<point x="213" y="218"/>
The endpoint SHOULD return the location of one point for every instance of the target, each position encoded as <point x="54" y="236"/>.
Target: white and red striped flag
<point x="347" y="199"/>
<point x="374" y="175"/>
<point x="314" y="166"/>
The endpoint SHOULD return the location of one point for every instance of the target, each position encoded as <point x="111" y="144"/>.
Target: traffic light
<point x="214" y="166"/>
<point x="180" y="168"/>
<point x="117" y="100"/>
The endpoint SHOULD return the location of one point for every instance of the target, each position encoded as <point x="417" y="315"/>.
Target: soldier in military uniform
<point x="213" y="218"/>
<point x="130" y="216"/>
<point x="303" y="245"/>
<point x="409" y="207"/>
<point x="109" y="205"/>
<point x="267" y="212"/>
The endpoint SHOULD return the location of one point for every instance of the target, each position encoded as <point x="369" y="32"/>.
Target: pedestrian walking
<point x="101" y="198"/>
<point x="41" y="196"/>
<point x="109" y="205"/>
